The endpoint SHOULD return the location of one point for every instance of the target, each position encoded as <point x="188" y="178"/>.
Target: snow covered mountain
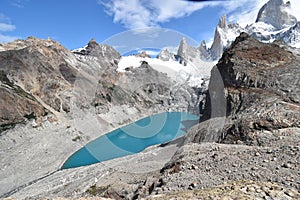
<point x="276" y="13"/>
<point x="273" y="22"/>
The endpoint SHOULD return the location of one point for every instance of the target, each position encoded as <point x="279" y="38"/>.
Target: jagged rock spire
<point x="218" y="46"/>
<point x="183" y="48"/>
<point x="92" y="43"/>
<point x="223" y="22"/>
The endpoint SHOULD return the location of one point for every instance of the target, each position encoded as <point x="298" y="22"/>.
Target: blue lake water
<point x="133" y="138"/>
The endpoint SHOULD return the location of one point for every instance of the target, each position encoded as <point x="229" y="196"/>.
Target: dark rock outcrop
<point x="261" y="92"/>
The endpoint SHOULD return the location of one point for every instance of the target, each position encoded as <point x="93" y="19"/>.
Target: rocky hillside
<point x="246" y="145"/>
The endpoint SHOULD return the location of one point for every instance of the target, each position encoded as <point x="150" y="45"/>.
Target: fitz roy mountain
<point x="273" y="22"/>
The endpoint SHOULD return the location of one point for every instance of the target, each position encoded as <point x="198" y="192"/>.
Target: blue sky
<point x="74" y="22"/>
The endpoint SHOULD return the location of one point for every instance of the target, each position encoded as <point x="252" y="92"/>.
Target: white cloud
<point x="7" y="38"/>
<point x="6" y="27"/>
<point x="139" y="14"/>
<point x="19" y="3"/>
<point x="130" y="13"/>
<point x="136" y="14"/>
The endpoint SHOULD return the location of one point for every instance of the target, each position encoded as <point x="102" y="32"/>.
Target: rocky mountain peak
<point x="92" y="43"/>
<point x="183" y="41"/>
<point x="143" y="54"/>
<point x="98" y="50"/>
<point x="257" y="77"/>
<point x="30" y="42"/>
<point x="166" y="55"/>
<point x="183" y="49"/>
<point x="204" y="53"/>
<point x="218" y="44"/>
<point x="275" y="13"/>
<point x="223" y="22"/>
<point x="203" y="43"/>
<point x="182" y="46"/>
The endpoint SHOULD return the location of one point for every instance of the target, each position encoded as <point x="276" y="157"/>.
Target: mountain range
<point x="274" y="22"/>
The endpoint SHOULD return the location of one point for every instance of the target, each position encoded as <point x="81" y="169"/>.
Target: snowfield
<point x="193" y="73"/>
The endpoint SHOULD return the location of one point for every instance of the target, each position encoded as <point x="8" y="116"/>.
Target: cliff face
<point x="261" y="92"/>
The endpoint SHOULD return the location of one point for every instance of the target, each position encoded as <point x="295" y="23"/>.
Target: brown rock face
<point x="42" y="68"/>
<point x="261" y="92"/>
<point x="16" y="104"/>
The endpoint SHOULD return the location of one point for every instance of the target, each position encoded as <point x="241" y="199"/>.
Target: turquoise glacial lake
<point x="133" y="138"/>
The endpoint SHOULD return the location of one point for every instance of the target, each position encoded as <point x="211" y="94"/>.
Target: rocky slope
<point x="42" y="68"/>
<point x="246" y="145"/>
